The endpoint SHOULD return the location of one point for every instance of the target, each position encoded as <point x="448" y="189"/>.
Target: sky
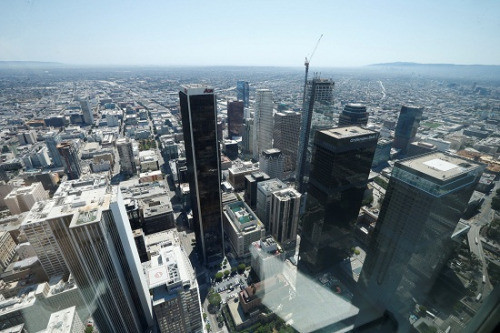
<point x="250" y="33"/>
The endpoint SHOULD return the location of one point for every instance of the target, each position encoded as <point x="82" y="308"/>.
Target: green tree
<point x="218" y="276"/>
<point x="226" y="273"/>
<point x="233" y="270"/>
<point x="495" y="203"/>
<point x="214" y="299"/>
<point x="241" y="268"/>
<point x="89" y="329"/>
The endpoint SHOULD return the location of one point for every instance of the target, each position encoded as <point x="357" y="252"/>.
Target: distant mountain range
<point x="416" y="64"/>
<point x="18" y="64"/>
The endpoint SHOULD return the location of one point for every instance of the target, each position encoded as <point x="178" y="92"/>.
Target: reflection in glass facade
<point x="199" y="121"/>
<point x="340" y="166"/>
<point x="318" y="95"/>
<point x="412" y="240"/>
<point x="407" y="126"/>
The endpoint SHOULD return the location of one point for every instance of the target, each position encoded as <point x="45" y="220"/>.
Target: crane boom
<point x="306" y="63"/>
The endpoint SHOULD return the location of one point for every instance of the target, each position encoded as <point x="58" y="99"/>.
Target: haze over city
<point x="256" y="33"/>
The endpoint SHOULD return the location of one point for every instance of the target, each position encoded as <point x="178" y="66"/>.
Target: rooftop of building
<point x="271" y="152"/>
<point x="170" y="267"/>
<point x="347" y="132"/>
<point x="24" y="190"/>
<point x="84" y="199"/>
<point x="61" y="321"/>
<point x="439" y="166"/>
<point x="287" y="193"/>
<point x="243" y="167"/>
<point x="241" y="212"/>
<point x="196" y="89"/>
<point x="156" y="206"/>
<point x="14" y="329"/>
<point x="272" y="185"/>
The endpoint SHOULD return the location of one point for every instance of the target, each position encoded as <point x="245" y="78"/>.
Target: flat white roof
<point x="440" y="164"/>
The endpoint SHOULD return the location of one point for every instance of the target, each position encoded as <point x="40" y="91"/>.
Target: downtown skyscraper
<point x="412" y="240"/>
<point x="71" y="161"/>
<point x="243" y="92"/>
<point x="340" y="166"/>
<point x="199" y="123"/>
<point x="86" y="222"/>
<point x="263" y="122"/>
<point x="318" y="93"/>
<point x="235" y="118"/>
<point x="407" y="126"/>
<point x="353" y="114"/>
<point x="286" y="127"/>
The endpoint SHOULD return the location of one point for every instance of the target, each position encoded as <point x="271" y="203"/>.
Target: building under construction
<point x="318" y="97"/>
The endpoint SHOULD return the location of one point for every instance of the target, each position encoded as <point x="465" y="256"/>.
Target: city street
<point x="483" y="218"/>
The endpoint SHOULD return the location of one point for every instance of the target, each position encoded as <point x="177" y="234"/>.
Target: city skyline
<point x="355" y="33"/>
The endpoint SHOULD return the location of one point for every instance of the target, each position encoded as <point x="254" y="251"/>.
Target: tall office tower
<point x="340" y="166"/>
<point x="407" y="126"/>
<point x="126" y="154"/>
<point x="382" y="153"/>
<point x="412" y="240"/>
<point x="70" y="159"/>
<point x="88" y="115"/>
<point x="27" y="138"/>
<point x="318" y="94"/>
<point x="199" y="123"/>
<point x="40" y="236"/>
<point x="247" y="136"/>
<point x="251" y="182"/>
<point x="52" y="139"/>
<point x="88" y="220"/>
<point x="354" y="114"/>
<point x="174" y="289"/>
<point x="271" y="162"/>
<point x="22" y="199"/>
<point x="265" y="189"/>
<point x="235" y="118"/>
<point x="284" y="217"/>
<point x="243" y="92"/>
<point x="286" y="127"/>
<point x="263" y="122"/>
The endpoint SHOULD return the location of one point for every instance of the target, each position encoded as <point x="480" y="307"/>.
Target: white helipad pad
<point x="440" y="164"/>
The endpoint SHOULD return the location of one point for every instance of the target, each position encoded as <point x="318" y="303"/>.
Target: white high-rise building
<point x="286" y="138"/>
<point x="271" y="162"/>
<point x="88" y="221"/>
<point x="265" y="189"/>
<point x="285" y="215"/>
<point x="263" y="122"/>
<point x="24" y="198"/>
<point x="173" y="286"/>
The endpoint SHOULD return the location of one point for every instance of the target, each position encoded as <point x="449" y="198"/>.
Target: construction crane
<point x="306" y="63"/>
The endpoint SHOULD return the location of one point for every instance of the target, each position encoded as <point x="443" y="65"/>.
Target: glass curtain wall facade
<point x="199" y="122"/>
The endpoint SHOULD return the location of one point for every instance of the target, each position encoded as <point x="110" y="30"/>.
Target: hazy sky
<point x="184" y="32"/>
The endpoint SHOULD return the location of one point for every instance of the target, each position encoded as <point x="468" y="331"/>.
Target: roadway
<point x="483" y="218"/>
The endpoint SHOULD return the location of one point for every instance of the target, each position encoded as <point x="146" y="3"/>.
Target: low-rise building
<point x="242" y="227"/>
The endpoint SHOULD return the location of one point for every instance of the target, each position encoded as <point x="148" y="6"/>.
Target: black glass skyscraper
<point x="340" y="166"/>
<point x="243" y="92"/>
<point x="353" y="114"/>
<point x="70" y="159"/>
<point x="407" y="126"/>
<point x="199" y="123"/>
<point x="235" y="118"/>
<point x="413" y="237"/>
